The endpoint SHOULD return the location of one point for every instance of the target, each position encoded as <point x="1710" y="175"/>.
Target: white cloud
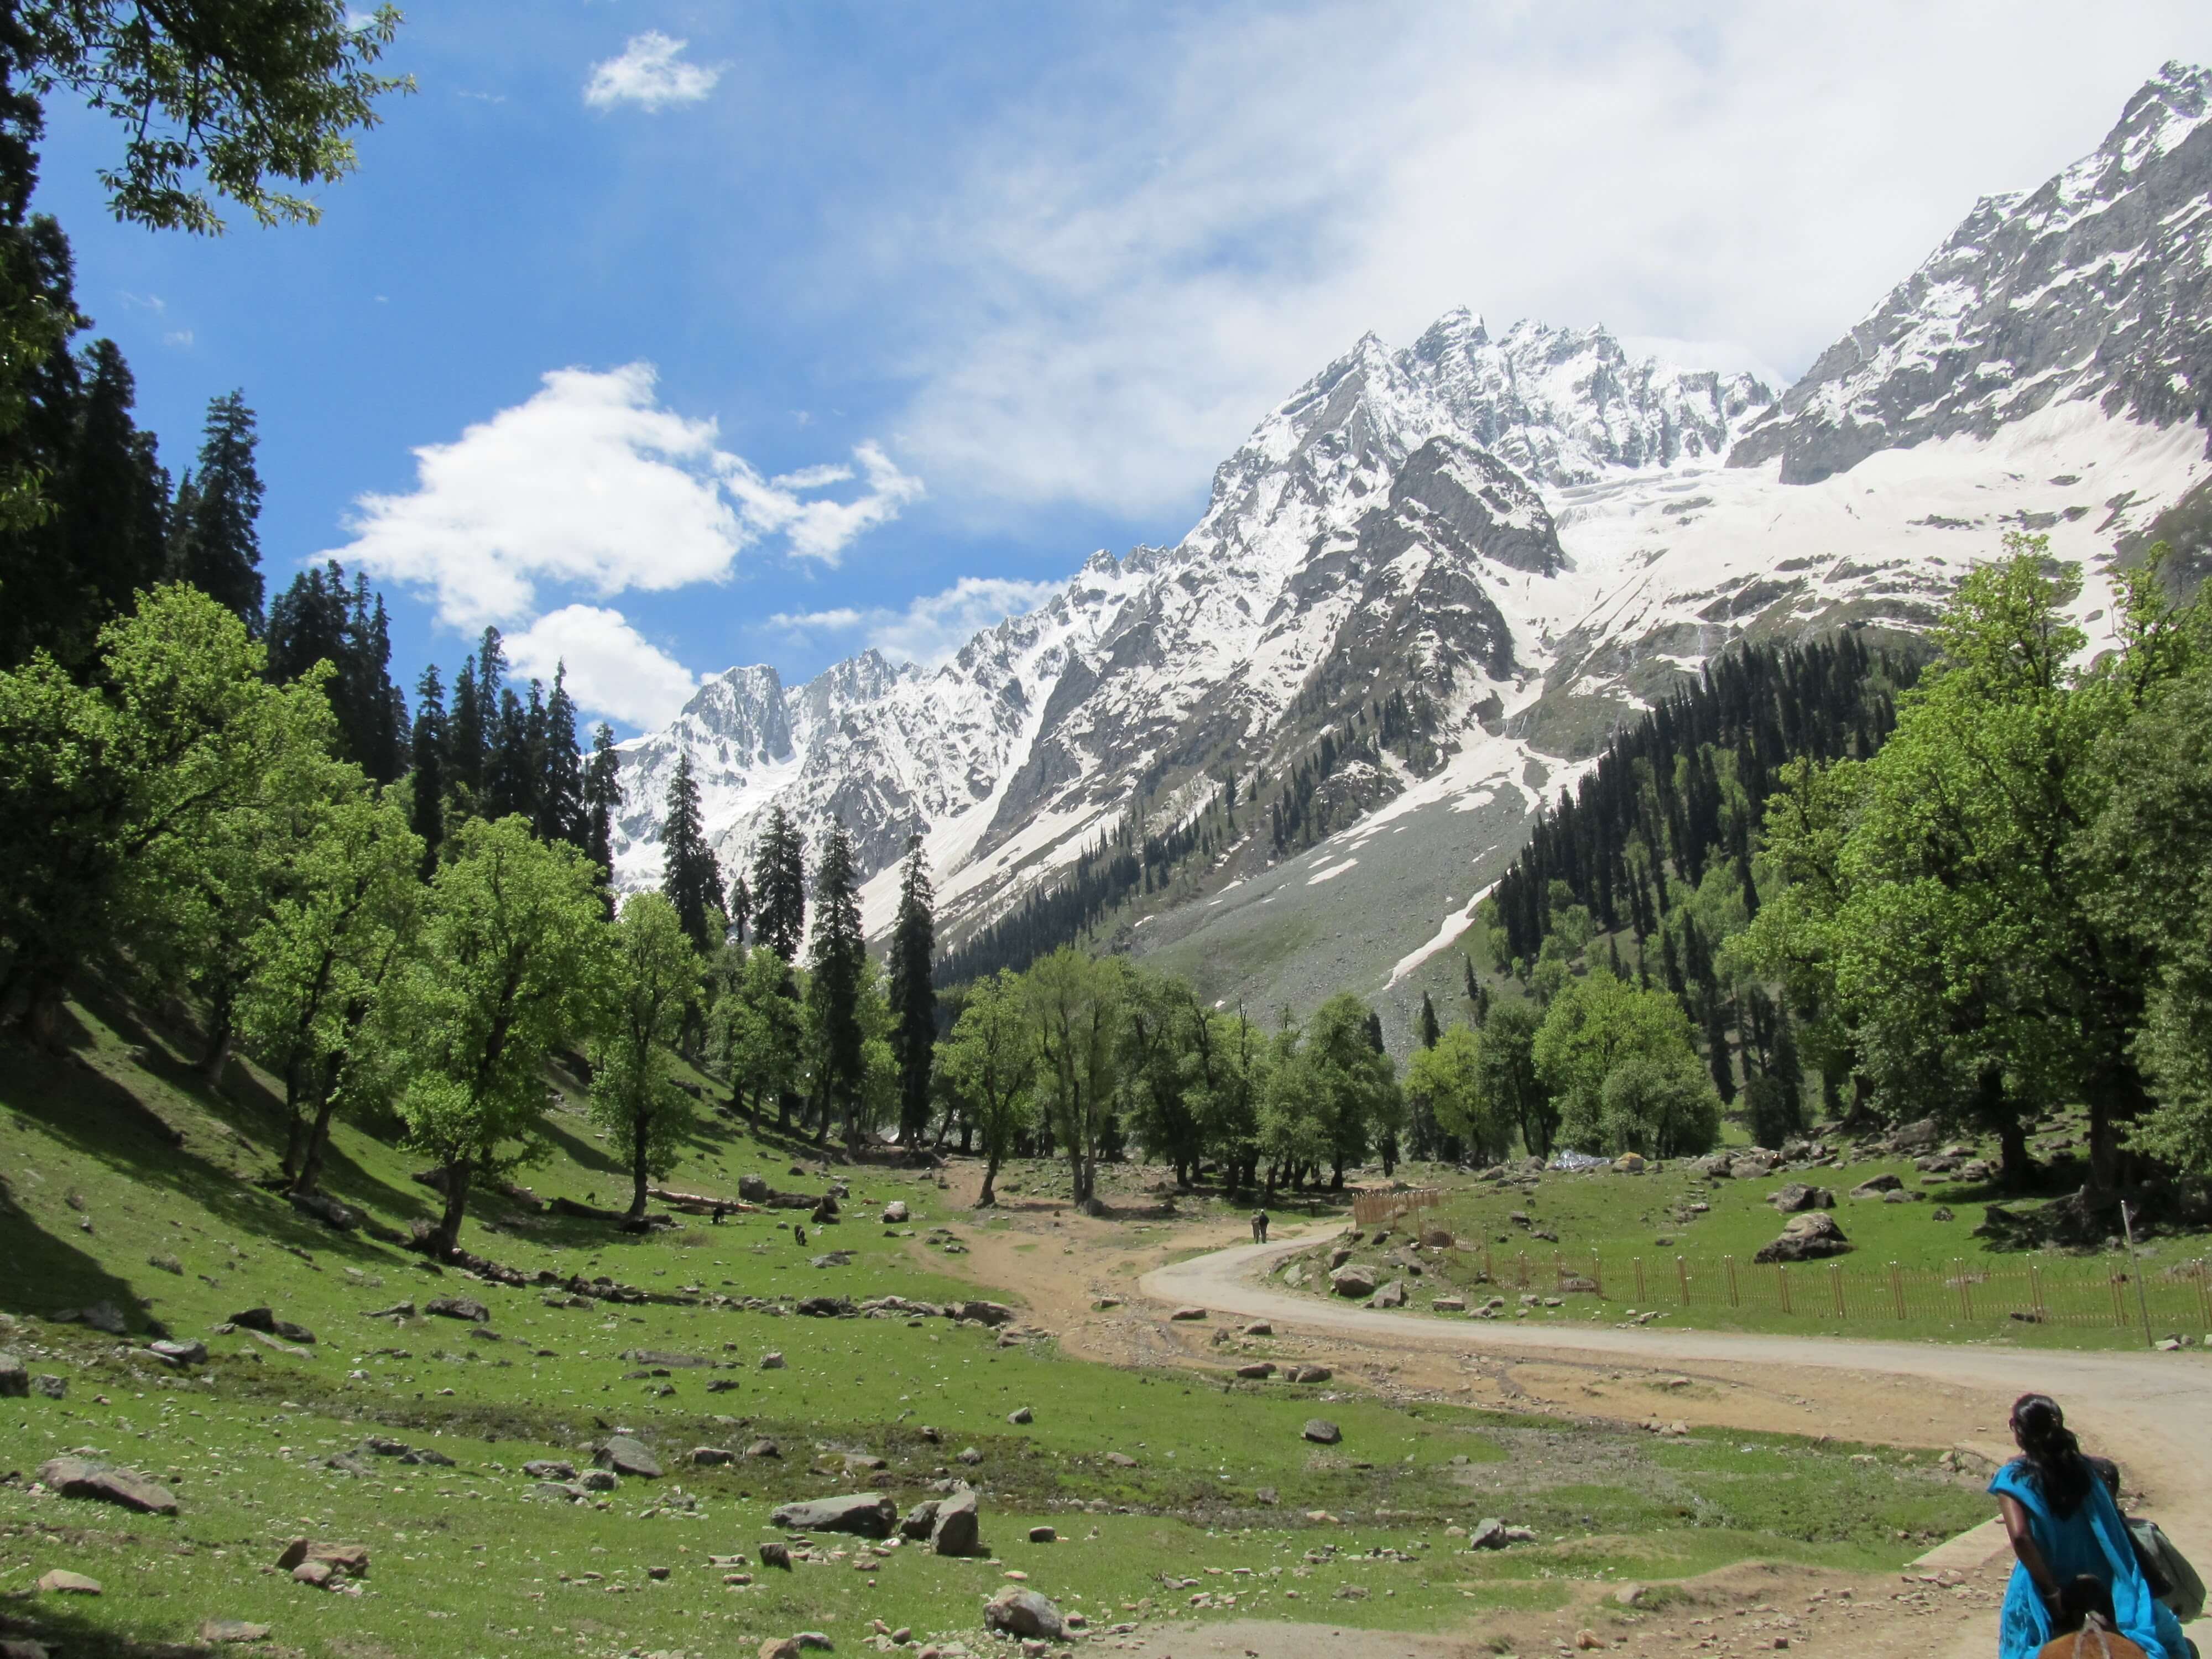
<point x="651" y="73"/>
<point x="591" y="485"/>
<point x="933" y="626"/>
<point x="613" y="670"/>
<point x="1135" y="263"/>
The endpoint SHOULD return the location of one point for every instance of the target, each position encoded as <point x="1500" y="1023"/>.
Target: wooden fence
<point x="2103" y="1293"/>
<point x="1371" y="1208"/>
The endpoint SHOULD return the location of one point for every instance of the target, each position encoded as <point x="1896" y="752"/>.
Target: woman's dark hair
<point x="2054" y="1456"/>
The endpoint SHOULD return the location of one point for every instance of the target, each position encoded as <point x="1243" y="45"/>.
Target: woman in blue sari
<point x="2064" y="1525"/>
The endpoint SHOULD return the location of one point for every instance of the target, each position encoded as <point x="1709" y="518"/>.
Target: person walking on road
<point x="2064" y="1526"/>
<point x="1259" y="1226"/>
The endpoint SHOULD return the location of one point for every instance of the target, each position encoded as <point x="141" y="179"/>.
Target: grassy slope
<point x="465" y="1563"/>
<point x="1623" y="1217"/>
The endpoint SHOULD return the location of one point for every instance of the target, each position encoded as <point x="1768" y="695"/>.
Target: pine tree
<point x="691" y="875"/>
<point x="1432" y="1031"/>
<point x="779" y="887"/>
<point x="838" y="959"/>
<point x="465" y="729"/>
<point x="562" y="814"/>
<point x="222" y="546"/>
<point x="913" y="995"/>
<point x="741" y="907"/>
<point x="510" y="764"/>
<point x="602" y="800"/>
<point x="428" y="818"/>
<point x="111" y="505"/>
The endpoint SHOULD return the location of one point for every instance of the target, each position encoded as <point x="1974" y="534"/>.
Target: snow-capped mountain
<point x="1528" y="537"/>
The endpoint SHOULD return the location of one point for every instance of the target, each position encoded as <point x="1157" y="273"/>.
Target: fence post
<point x="1835" y="1286"/>
<point x="2119" y="1302"/>
<point x="1682" y="1277"/>
<point x="1489" y="1272"/>
<point x="1966" y="1289"/>
<point x="1597" y="1274"/>
<point x="2035" y="1290"/>
<point x="1782" y="1284"/>
<point x="1639" y="1285"/>
<point x="1897" y="1288"/>
<point x="1524" y="1270"/>
<point x="1730" y="1262"/>
<point x="2205" y="1293"/>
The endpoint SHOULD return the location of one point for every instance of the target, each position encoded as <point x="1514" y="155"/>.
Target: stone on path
<point x="1392" y="1295"/>
<point x="73" y="1477"/>
<point x="62" y="1581"/>
<point x="1187" y="1313"/>
<point x="870" y="1514"/>
<point x="1321" y="1432"/>
<point x="1024" y="1613"/>
<point x="1259" y="1327"/>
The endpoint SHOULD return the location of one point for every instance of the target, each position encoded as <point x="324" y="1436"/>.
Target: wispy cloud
<point x="651" y="73"/>
<point x="933" y="626"/>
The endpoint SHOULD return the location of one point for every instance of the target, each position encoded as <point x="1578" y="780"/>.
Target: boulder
<point x="1806" y="1238"/>
<point x="1310" y="1373"/>
<point x="895" y="1212"/>
<point x="1905" y="1196"/>
<point x="1798" y="1196"/>
<point x="1392" y="1295"/>
<point x="1043" y="1535"/>
<point x="1488" y="1534"/>
<point x="870" y="1514"/>
<point x="1437" y="1238"/>
<point x="775" y="1555"/>
<point x="178" y="1353"/>
<point x="549" y="1468"/>
<point x="351" y="1559"/>
<point x="219" y="1631"/>
<point x="62" y="1581"/>
<point x="1021" y="1612"/>
<point x="764" y="1449"/>
<point x="957" y="1529"/>
<point x="1259" y="1371"/>
<point x="623" y="1454"/>
<point x="1121" y="1460"/>
<point x="73" y="1477"/>
<point x="53" y="1388"/>
<point x="1259" y="1327"/>
<point x="15" y="1378"/>
<point x="1876" y="1186"/>
<point x="1353" y="1280"/>
<point x="1629" y="1164"/>
<point x="1916" y="1137"/>
<point x="458" y="1307"/>
<point x="1020" y="1415"/>
<point x="1187" y="1315"/>
<point x="316" y="1573"/>
<point x="920" y="1520"/>
<point x="752" y="1189"/>
<point x="1339" y="1256"/>
<point x="599" y="1480"/>
<point x="1321" y="1432"/>
<point x="993" y="1314"/>
<point x="707" y="1457"/>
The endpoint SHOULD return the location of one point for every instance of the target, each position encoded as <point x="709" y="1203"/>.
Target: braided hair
<point x="2052" y="1453"/>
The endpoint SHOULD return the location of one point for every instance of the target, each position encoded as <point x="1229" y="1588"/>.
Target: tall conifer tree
<point x="220" y="550"/>
<point x="913" y="993"/>
<point x="838" y="957"/>
<point x="779" y="887"/>
<point x="602" y="800"/>
<point x="428" y="818"/>
<point x="691" y="875"/>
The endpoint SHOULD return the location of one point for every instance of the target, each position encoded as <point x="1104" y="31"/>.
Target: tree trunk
<point x="448" y="1233"/>
<point x="296" y="1130"/>
<point x="638" y="1174"/>
<point x="987" y="1198"/>
<point x="318" y="1140"/>
<point x="209" y="1070"/>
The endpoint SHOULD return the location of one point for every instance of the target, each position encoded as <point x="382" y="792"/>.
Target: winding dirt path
<point x="2152" y="1412"/>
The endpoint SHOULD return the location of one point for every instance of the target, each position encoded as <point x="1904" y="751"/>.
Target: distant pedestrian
<point x="798" y="1236"/>
<point x="1259" y="1226"/>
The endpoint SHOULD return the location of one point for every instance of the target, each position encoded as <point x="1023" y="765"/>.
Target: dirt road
<point x="2152" y="1412"/>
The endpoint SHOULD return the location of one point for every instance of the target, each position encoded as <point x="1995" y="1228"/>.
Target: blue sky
<point x="762" y="332"/>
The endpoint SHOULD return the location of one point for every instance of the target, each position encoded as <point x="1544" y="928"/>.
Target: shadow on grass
<point x="51" y="1272"/>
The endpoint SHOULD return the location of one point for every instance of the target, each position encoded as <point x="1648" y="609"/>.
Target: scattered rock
<point x="871" y="1515"/>
<point x="406" y="1310"/>
<point x="1187" y="1313"/>
<point x="1905" y="1196"/>
<point x="15" y="1378"/>
<point x="1939" y="1213"/>
<point x="1353" y="1280"/>
<point x="1392" y="1295"/>
<point x="1310" y="1373"/>
<point x="771" y="1362"/>
<point x="707" y="1457"/>
<point x="895" y="1212"/>
<point x="219" y="1631"/>
<point x="920" y="1520"/>
<point x="957" y="1526"/>
<point x="1043" y="1535"/>
<point x="1488" y="1534"/>
<point x="1798" y="1196"/>
<point x="968" y="1455"/>
<point x="458" y="1307"/>
<point x="73" y="1477"/>
<point x="1876" y="1186"/>
<point x="52" y="1386"/>
<point x="1321" y="1432"/>
<point x="764" y="1449"/>
<point x="351" y="1559"/>
<point x="316" y="1573"/>
<point x="1258" y="1371"/>
<point x="1023" y="1613"/>
<point x="1021" y="1414"/>
<point x="775" y="1555"/>
<point x="1121" y="1460"/>
<point x="1259" y="1327"/>
<point x="549" y="1468"/>
<point x="62" y="1581"/>
<point x="1807" y="1237"/>
<point x="625" y="1455"/>
<point x="178" y="1353"/>
<point x="599" y="1480"/>
<point x="1629" y="1164"/>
